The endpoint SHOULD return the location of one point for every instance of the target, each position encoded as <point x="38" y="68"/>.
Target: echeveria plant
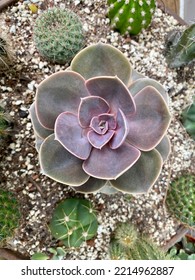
<point x="101" y="126"/>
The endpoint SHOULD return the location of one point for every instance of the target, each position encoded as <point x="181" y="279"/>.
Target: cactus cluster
<point x="73" y="222"/>
<point x="180" y="47"/>
<point x="9" y="214"/>
<point x="128" y="244"/>
<point x="58" y="35"/>
<point x="188" y="119"/>
<point x="6" y="53"/>
<point x="5" y="125"/>
<point x="131" y="16"/>
<point x="180" y="199"/>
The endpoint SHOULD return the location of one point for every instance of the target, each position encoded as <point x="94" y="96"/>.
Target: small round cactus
<point x="126" y="235"/>
<point x="130" y="16"/>
<point x="58" y="35"/>
<point x="9" y="214"/>
<point x="180" y="199"/>
<point x="73" y="222"/>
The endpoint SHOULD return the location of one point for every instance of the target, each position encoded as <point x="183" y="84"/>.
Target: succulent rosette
<point x="100" y="126"/>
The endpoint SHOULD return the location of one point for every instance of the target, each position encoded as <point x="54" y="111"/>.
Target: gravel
<point x="20" y="171"/>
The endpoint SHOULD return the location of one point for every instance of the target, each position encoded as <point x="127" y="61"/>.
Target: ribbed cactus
<point x="58" y="35"/>
<point x="5" y="124"/>
<point x="180" y="199"/>
<point x="73" y="222"/>
<point x="9" y="214"/>
<point x="188" y="119"/>
<point x="131" y="16"/>
<point x="180" y="47"/>
<point x="6" y="53"/>
<point x="128" y="244"/>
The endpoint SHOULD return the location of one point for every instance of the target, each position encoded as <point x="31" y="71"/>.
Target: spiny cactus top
<point x="74" y="221"/>
<point x="180" y="199"/>
<point x="130" y="16"/>
<point x="96" y="127"/>
<point x="58" y="35"/>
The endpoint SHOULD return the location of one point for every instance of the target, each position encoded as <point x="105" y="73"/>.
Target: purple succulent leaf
<point x="151" y="120"/>
<point x="60" y="165"/>
<point x="59" y="93"/>
<point x="71" y="136"/>
<point x="41" y="131"/>
<point x="114" y="91"/>
<point x="91" y="186"/>
<point x="90" y="107"/>
<point x="142" y="175"/>
<point x="121" y="131"/>
<point x="99" y="140"/>
<point x="38" y="142"/>
<point x="110" y="164"/>
<point x="164" y="148"/>
<point x="136" y="75"/>
<point x="102" y="123"/>
<point x="139" y="84"/>
<point x="102" y="60"/>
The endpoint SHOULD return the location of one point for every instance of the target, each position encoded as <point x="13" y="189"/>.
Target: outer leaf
<point x="142" y="175"/>
<point x="110" y="164"/>
<point x="140" y="83"/>
<point x="102" y="60"/>
<point x="91" y="186"/>
<point x="151" y="120"/>
<point x="41" y="131"/>
<point x="59" y="93"/>
<point x="121" y="131"/>
<point x="164" y="148"/>
<point x="58" y="164"/>
<point x="71" y="136"/>
<point x="90" y="107"/>
<point x="114" y="92"/>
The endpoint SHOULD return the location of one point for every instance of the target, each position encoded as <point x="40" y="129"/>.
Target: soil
<point x="20" y="170"/>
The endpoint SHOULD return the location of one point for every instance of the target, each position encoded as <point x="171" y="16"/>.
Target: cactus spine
<point x="73" y="222"/>
<point x="181" y="47"/>
<point x="180" y="199"/>
<point x="58" y="35"/>
<point x="128" y="244"/>
<point x="6" y="53"/>
<point x="131" y="16"/>
<point x="9" y="214"/>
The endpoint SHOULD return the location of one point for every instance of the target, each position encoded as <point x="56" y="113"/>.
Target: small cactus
<point x="6" y="53"/>
<point x="9" y="214"/>
<point x="180" y="47"/>
<point x="180" y="199"/>
<point x="188" y="119"/>
<point x="138" y="247"/>
<point x="131" y="16"/>
<point x="73" y="222"/>
<point x="58" y="35"/>
<point x="5" y="125"/>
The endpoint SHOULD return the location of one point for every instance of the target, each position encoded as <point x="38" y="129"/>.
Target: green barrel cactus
<point x="131" y="16"/>
<point x="180" y="199"/>
<point x="73" y="222"/>
<point x="180" y="47"/>
<point x="188" y="119"/>
<point x="58" y="35"/>
<point x="128" y="244"/>
<point x="9" y="214"/>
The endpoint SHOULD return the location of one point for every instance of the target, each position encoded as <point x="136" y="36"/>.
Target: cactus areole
<point x="101" y="126"/>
